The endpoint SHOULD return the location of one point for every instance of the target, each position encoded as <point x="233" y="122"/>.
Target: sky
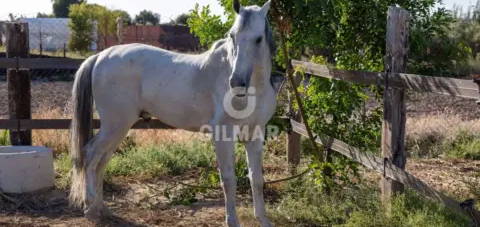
<point x="168" y="9"/>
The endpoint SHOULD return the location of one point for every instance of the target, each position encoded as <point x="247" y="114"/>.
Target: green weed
<point x="147" y="162"/>
<point x="153" y="161"/>
<point x="304" y="204"/>
<point x="4" y="138"/>
<point x="466" y="145"/>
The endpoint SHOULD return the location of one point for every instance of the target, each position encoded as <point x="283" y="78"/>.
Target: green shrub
<point x="4" y="138"/>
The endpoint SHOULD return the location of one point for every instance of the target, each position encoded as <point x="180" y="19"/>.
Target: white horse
<point x="192" y="92"/>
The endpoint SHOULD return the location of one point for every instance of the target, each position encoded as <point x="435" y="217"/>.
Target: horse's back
<point x="135" y="78"/>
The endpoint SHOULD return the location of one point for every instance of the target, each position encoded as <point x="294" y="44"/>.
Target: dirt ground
<point x="143" y="203"/>
<point x="133" y="204"/>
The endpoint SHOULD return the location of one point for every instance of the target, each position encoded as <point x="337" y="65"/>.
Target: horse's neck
<point x="217" y="61"/>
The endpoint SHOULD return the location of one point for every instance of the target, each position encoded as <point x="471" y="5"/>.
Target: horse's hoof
<point x="106" y="212"/>
<point x="97" y="214"/>
<point x="93" y="217"/>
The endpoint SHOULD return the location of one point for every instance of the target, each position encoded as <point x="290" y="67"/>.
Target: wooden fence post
<point x="393" y="135"/>
<point x="18" y="81"/>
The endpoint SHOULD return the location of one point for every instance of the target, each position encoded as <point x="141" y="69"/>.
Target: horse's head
<point x="252" y="43"/>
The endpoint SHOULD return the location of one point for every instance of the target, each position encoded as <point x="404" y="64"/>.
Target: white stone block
<point x="25" y="169"/>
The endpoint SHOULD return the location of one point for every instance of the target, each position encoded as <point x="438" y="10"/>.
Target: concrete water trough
<point x="25" y="169"/>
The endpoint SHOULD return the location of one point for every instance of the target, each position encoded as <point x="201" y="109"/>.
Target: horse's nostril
<point x="237" y="83"/>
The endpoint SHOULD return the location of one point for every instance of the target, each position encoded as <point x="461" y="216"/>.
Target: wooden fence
<point x="18" y="65"/>
<point x="394" y="81"/>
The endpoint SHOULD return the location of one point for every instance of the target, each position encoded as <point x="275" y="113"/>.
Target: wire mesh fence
<point x="48" y="34"/>
<point x="48" y="38"/>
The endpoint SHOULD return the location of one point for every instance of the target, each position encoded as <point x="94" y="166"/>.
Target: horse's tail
<point x="81" y="129"/>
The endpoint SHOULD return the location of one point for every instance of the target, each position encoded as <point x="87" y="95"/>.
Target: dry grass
<point x="58" y="140"/>
<point x="440" y="126"/>
<point x="435" y="135"/>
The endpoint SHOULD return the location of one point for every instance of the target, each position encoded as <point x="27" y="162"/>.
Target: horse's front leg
<point x="226" y="166"/>
<point x="254" y="158"/>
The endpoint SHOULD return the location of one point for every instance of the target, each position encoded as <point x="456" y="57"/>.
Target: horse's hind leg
<point x="99" y="152"/>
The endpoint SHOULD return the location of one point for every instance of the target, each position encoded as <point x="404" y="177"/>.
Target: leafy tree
<point x="206" y="26"/>
<point x="439" y="51"/>
<point x="181" y="19"/>
<point x="61" y="7"/>
<point x="106" y="21"/>
<point x="466" y="33"/>
<point x="147" y="17"/>
<point x="82" y="27"/>
<point x="44" y="15"/>
<point x="84" y="17"/>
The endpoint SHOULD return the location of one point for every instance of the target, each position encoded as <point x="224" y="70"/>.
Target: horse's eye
<point x="232" y="37"/>
<point x="259" y="40"/>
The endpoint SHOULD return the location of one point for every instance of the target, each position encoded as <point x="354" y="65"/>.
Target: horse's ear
<point x="236" y="6"/>
<point x="266" y="7"/>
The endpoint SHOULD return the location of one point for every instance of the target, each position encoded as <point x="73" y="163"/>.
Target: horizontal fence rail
<point x="65" y="124"/>
<point x="439" y="85"/>
<point x="40" y="63"/>
<point x="28" y="124"/>
<point x="385" y="168"/>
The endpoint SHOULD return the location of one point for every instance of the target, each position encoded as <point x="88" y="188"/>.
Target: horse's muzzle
<point x="239" y="92"/>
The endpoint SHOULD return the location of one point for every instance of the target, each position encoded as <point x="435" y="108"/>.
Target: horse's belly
<point x="185" y="111"/>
